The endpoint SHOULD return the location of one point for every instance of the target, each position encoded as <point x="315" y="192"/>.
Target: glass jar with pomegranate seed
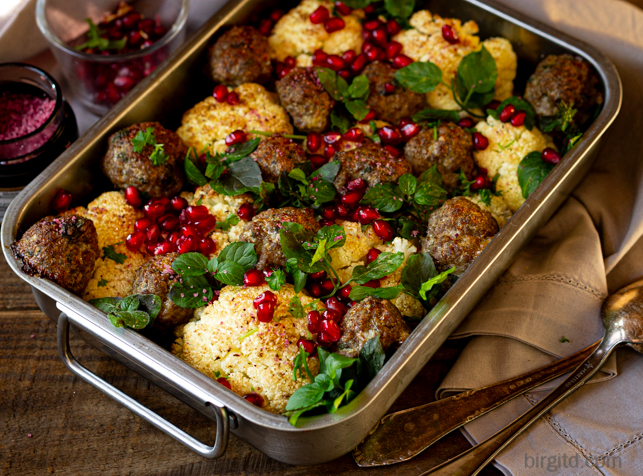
<point x="104" y="53"/>
<point x="36" y="126"/>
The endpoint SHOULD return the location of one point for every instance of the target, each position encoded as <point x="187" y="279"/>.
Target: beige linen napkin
<point x="555" y="287"/>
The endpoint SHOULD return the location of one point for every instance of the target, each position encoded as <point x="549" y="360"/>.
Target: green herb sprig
<point x="110" y="253"/>
<point x="135" y="311"/>
<point x="95" y="39"/>
<point x="141" y="139"/>
<point x="352" y="96"/>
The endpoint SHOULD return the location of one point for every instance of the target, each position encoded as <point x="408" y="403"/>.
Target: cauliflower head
<point x="508" y="145"/>
<point x="209" y="122"/>
<point x="295" y="35"/>
<point x="220" y="340"/>
<point x="114" y="219"/>
<point x="424" y="42"/>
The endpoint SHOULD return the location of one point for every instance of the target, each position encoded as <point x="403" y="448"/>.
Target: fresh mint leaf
<point x="532" y="170"/>
<point x="408" y="228"/>
<point x="334" y="235"/>
<point x="293" y="250"/>
<point x="385" y="197"/>
<point x="239" y="151"/>
<point x="385" y="264"/>
<point x="151" y="304"/>
<point x="191" y="264"/>
<point x="230" y="272"/>
<point x="436" y="114"/>
<point x="420" y="76"/>
<point x="141" y="139"/>
<point x="358" y="3"/>
<point x="106" y="304"/>
<point x="191" y="292"/>
<point x="298" y="175"/>
<point x="132" y="319"/>
<point x="431" y="175"/>
<point x="476" y="78"/>
<point x="243" y="176"/>
<point x="193" y="174"/>
<point x="408" y="184"/>
<point x="399" y="8"/>
<point x="347" y="394"/>
<point x="320" y="252"/>
<point x="328" y="79"/>
<point x="241" y="253"/>
<point x="419" y="269"/>
<point x="298" y="276"/>
<point x="339" y="121"/>
<point x="358" y="109"/>
<point x="277" y="279"/>
<point x="359" y="88"/>
<point x="428" y="285"/>
<point x="430" y="195"/>
<point x="328" y="171"/>
<point x="360" y="292"/>
<point x="232" y="220"/>
<point x="372" y="356"/>
<point x="110" y="253"/>
<point x="129" y="303"/>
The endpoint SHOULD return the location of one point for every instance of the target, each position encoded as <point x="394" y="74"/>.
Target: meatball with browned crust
<point x="241" y="55"/>
<point x="156" y="173"/>
<point x="456" y="234"/>
<point x="63" y="249"/>
<point x="449" y="147"/>
<point x="264" y="228"/>
<point x="371" y="162"/>
<point x="156" y="276"/>
<point x="276" y="154"/>
<point x="305" y="99"/>
<point x="564" y="79"/>
<point x="367" y="319"/>
<point x="390" y="106"/>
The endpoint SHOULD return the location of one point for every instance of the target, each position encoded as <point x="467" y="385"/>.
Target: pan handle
<point x="220" y="413"/>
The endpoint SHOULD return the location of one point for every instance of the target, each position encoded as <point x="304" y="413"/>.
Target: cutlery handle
<point x="471" y="462"/>
<point x="402" y="435"/>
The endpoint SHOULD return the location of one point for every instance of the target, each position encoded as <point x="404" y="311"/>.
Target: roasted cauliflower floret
<point x="508" y="145"/>
<point x="209" y="122"/>
<point x="497" y="207"/>
<point x="226" y="339"/>
<point x="295" y="35"/>
<point x="424" y="42"/>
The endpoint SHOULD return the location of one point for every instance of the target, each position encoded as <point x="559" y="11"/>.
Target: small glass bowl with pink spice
<point x="106" y="47"/>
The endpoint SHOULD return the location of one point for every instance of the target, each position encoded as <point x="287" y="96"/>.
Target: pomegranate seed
<point x="323" y="339"/>
<point x="450" y="35"/>
<point x="394" y="151"/>
<point x="335" y="62"/>
<point x="466" y="123"/>
<point x="393" y="49"/>
<point x="206" y="225"/>
<point x="169" y="222"/>
<point x="267" y="296"/>
<point x="393" y="27"/>
<point x="224" y="381"/>
<point x="315" y="290"/>
<point x="159" y="31"/>
<point x="308" y="345"/>
<point x="178" y="203"/>
<point x="479" y="183"/>
<point x="164" y="248"/>
<point x="265" y="311"/>
<point x="358" y="64"/>
<point x="343" y="211"/>
<point x="400" y="61"/>
<point x="160" y="200"/>
<point x="492" y="105"/>
<point x="390" y="135"/>
<point x="329" y="151"/>
<point x="366" y="35"/>
<point x="190" y="230"/>
<point x="330" y="315"/>
<point x="246" y="212"/>
<point x="518" y="119"/>
<point x="356" y="185"/>
<point x="329" y="213"/>
<point x="373" y="24"/>
<point x="325" y="222"/>
<point x="367" y="215"/>
<point x="352" y="199"/>
<point x="480" y="142"/>
<point x="265" y="26"/>
<point x="343" y="9"/>
<point x="331" y="329"/>
<point x="389" y="88"/>
<point x="345" y="292"/>
<point x="383" y="230"/>
<point x="131" y="20"/>
<point x="143" y="224"/>
<point x="550" y="156"/>
<point x="319" y="275"/>
<point x="152" y="234"/>
<point x="135" y="240"/>
<point x="233" y="98"/>
<point x="410" y="130"/>
<point x="344" y="73"/>
<point x="319" y="16"/>
<point x="253" y="277"/>
<point x="507" y="112"/>
<point x="187" y="244"/>
<point x="254" y="398"/>
<point x="62" y="200"/>
<point x="276" y="15"/>
<point x="146" y="25"/>
<point x="206" y="246"/>
<point x="369" y="117"/>
<point x="174" y="236"/>
<point x="313" y="321"/>
<point x="369" y="9"/>
<point x="283" y="72"/>
<point x="332" y="137"/>
<point x="235" y="137"/>
<point x="220" y="93"/>
<point x="354" y="216"/>
<point x="133" y="197"/>
<point x="334" y="24"/>
<point x="404" y="121"/>
<point x="317" y="160"/>
<point x="373" y="283"/>
<point x="327" y="286"/>
<point x="153" y="210"/>
<point x="380" y="37"/>
<point x="333" y="304"/>
<point x="290" y="61"/>
<point x="313" y="142"/>
<point x="319" y="57"/>
<point x="372" y="255"/>
<point x="374" y="54"/>
<point x="150" y="247"/>
<point x="349" y="56"/>
<point x="197" y="212"/>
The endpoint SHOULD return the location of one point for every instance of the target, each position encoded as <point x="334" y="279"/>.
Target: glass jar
<point x="36" y="126"/>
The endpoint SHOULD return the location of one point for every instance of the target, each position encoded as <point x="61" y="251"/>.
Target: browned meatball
<point x="367" y="319"/>
<point x="276" y="154"/>
<point x="564" y="78"/>
<point x="125" y="167"/>
<point x="456" y="234"/>
<point x="63" y="249"/>
<point x="452" y="151"/>
<point x="371" y="162"/>
<point x="305" y="99"/>
<point x="390" y="107"/>
<point x="264" y="228"/>
<point x="241" y="55"/>
<point x="156" y="276"/>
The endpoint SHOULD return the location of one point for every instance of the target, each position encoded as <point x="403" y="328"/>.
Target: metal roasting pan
<point x="164" y="96"/>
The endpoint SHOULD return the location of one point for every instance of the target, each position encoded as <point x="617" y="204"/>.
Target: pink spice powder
<point x="22" y="113"/>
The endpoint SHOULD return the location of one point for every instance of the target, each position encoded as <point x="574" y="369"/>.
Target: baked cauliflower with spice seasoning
<point x="226" y="339"/>
<point x="206" y="125"/>
<point x="424" y="42"/>
<point x="295" y="35"/>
